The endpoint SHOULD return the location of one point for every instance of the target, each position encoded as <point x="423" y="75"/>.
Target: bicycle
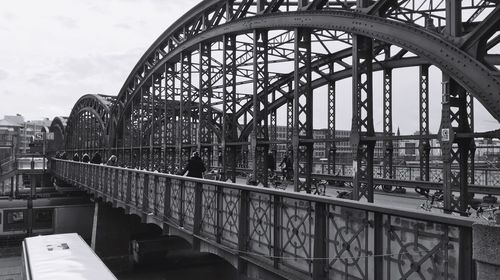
<point x="279" y="182"/>
<point x="318" y="186"/>
<point x="213" y="174"/>
<point x="488" y="214"/>
<point x="436" y="201"/>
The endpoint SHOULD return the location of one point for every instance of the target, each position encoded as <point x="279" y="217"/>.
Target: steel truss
<point x="217" y="79"/>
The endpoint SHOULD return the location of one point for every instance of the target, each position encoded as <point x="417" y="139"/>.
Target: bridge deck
<point x="293" y="234"/>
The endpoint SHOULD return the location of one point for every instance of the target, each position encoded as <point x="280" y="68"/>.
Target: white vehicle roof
<point x="63" y="256"/>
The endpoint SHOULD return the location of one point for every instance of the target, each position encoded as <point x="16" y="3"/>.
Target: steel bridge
<point x="224" y="76"/>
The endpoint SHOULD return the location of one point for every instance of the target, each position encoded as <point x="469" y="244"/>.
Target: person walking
<point x="195" y="166"/>
<point x="112" y="161"/>
<point x="86" y="158"/>
<point x="96" y="159"/>
<point x="271" y="162"/>
<point x="286" y="166"/>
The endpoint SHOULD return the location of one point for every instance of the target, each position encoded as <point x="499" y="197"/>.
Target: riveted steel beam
<point x="455" y="119"/>
<point x="260" y="104"/>
<point x="331" y="146"/>
<point x="171" y="121"/>
<point x="302" y="114"/>
<point x="362" y="119"/>
<point x="387" y="120"/>
<point x="205" y="134"/>
<point x="424" y="145"/>
<point x="229" y="127"/>
<point x="186" y="101"/>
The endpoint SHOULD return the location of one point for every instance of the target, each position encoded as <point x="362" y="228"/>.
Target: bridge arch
<point x="166" y="71"/>
<point x="468" y="71"/>
<point x="58" y="127"/>
<point x="86" y="125"/>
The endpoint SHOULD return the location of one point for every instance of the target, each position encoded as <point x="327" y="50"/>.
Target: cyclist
<point x="286" y="167"/>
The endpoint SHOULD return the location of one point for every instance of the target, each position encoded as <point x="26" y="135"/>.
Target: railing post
<point x="145" y="194"/>
<point x="276" y="230"/>
<point x="219" y="221"/>
<point x="181" y="204"/>
<point x="378" y="243"/>
<point x="465" y="264"/>
<point x="115" y="183"/>
<point x="128" y="192"/>
<point x="243" y="229"/>
<point x="486" y="177"/>
<point x="320" y="262"/>
<point x="166" y="203"/>
<point x="198" y="190"/>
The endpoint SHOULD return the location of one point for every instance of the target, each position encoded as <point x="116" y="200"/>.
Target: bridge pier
<point x="486" y="245"/>
<point x="111" y="236"/>
<point x="112" y="233"/>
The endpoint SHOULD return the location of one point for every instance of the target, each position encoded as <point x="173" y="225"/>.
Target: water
<point x="189" y="266"/>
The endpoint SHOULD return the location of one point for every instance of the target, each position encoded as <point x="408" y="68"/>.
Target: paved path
<point x="410" y="200"/>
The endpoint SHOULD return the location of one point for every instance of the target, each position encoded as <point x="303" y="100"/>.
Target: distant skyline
<point x="55" y="51"/>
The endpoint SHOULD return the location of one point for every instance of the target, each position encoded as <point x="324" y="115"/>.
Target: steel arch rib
<point x="472" y="74"/>
<point x="97" y="104"/>
<point x="321" y="81"/>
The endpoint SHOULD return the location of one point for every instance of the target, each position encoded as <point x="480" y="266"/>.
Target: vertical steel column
<point x="289" y="117"/>
<point x="156" y="124"/>
<point x="454" y="120"/>
<point x="205" y="134"/>
<point x="149" y="122"/>
<point x="387" y="116"/>
<point x="472" y="154"/>
<point x="273" y="126"/>
<point x="455" y="150"/>
<point x="185" y="131"/>
<point x="141" y="128"/>
<point x="303" y="114"/>
<point x="229" y="132"/>
<point x="133" y="135"/>
<point x="330" y="135"/>
<point x="170" y="119"/>
<point x="260" y="106"/>
<point x="126" y="160"/>
<point x="362" y="119"/>
<point x="424" y="145"/>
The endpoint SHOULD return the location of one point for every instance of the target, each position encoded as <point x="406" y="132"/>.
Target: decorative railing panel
<point x="188" y="204"/>
<point x="176" y="201"/>
<point x="261" y="224"/>
<point x="230" y="217"/>
<point x="297" y="233"/>
<point x="304" y="235"/>
<point x="349" y="246"/>
<point x="209" y="213"/>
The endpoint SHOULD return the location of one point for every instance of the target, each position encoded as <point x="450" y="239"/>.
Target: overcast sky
<point x="55" y="51"/>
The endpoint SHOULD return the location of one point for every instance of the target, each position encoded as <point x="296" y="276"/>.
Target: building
<point x="23" y="132"/>
<point x="343" y="153"/>
<point x="16" y="135"/>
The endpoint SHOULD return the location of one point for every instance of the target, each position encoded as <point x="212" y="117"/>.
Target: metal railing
<point x="483" y="176"/>
<point x="293" y="233"/>
<point x="35" y="163"/>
